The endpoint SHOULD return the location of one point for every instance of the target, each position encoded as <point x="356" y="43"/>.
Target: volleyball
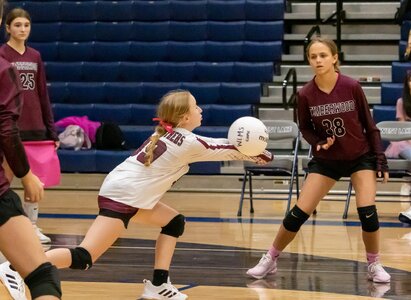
<point x="249" y="135"/>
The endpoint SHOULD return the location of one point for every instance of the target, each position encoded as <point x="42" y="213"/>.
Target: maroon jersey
<point x="344" y="113"/>
<point x="36" y="119"/>
<point x="10" y="106"/>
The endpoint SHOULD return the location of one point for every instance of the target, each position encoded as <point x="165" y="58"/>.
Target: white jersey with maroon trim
<point x="139" y="186"/>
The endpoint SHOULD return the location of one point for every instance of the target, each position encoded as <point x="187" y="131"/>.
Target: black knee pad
<point x="369" y="218"/>
<point x="44" y="281"/>
<point x="80" y="259"/>
<point x="175" y="227"/>
<point x="295" y="219"/>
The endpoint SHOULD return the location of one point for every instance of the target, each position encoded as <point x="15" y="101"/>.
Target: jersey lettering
<point x="334" y="127"/>
<point x="175" y="137"/>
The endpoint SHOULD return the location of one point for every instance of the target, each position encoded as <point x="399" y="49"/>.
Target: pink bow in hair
<point x="167" y="126"/>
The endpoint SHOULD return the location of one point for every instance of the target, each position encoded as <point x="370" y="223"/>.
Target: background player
<point x="18" y="241"/>
<point x="335" y="120"/>
<point x="36" y="120"/>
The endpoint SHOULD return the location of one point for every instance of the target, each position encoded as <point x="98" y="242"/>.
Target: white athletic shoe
<point x="13" y="282"/>
<point x="265" y="266"/>
<point x="405" y="216"/>
<point x="162" y="292"/>
<point x="376" y="273"/>
<point x="44" y="239"/>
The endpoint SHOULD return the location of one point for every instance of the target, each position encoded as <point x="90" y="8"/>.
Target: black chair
<point x="278" y="130"/>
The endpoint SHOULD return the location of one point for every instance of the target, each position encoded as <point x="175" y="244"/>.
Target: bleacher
<point x="391" y="91"/>
<point x="113" y="60"/>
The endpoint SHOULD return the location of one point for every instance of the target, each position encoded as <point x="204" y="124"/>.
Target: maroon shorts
<point x="112" y="209"/>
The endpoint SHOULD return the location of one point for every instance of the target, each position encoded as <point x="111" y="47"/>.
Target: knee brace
<point x="44" y="281"/>
<point x="175" y="227"/>
<point x="369" y="218"/>
<point x="80" y="259"/>
<point x="295" y="219"/>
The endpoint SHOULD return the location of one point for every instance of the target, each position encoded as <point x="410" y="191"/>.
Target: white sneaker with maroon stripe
<point x="166" y="291"/>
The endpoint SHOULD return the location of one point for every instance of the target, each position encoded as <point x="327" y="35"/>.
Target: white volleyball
<point x="249" y="135"/>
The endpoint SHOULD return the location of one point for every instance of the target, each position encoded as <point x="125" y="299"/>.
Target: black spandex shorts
<point x="112" y="209"/>
<point x="10" y="206"/>
<point x="336" y="169"/>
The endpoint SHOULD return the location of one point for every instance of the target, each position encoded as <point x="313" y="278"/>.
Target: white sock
<point x="32" y="211"/>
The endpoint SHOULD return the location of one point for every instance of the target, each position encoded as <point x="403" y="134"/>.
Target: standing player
<point x="18" y="241"/>
<point x="335" y="120"/>
<point x="133" y="191"/>
<point x="36" y="121"/>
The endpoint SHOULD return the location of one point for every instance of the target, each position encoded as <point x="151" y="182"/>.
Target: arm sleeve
<point x="45" y="102"/>
<point x="10" y="103"/>
<point x="304" y="122"/>
<point x="371" y="130"/>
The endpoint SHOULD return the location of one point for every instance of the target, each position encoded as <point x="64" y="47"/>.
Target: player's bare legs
<point x="18" y="231"/>
<point x="365" y="186"/>
<point x="172" y="226"/>
<point x="315" y="187"/>
<point x="101" y="235"/>
<point x="159" y="216"/>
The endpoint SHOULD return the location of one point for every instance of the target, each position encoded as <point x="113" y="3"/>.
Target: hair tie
<point x="167" y="126"/>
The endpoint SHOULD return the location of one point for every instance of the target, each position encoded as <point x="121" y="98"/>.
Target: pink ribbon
<point x="167" y="126"/>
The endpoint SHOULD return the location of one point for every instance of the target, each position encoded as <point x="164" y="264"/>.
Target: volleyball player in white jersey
<point x="133" y="190"/>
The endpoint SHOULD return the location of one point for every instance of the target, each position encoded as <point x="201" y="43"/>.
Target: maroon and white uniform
<point x="10" y="106"/>
<point x="36" y="119"/>
<point x="139" y="186"/>
<point x="343" y="113"/>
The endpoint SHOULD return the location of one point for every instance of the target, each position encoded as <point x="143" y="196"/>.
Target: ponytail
<point x="148" y="158"/>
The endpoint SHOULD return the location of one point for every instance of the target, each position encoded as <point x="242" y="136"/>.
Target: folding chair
<point x="278" y="130"/>
<point x="391" y="131"/>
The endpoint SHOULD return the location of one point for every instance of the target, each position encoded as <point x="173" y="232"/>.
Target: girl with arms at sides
<point x="36" y="120"/>
<point x="335" y="120"/>
<point x="133" y="191"/>
<point x="18" y="241"/>
<point x="402" y="149"/>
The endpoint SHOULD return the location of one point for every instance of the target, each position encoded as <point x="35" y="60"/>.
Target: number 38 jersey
<point x="343" y="113"/>
<point x="36" y="120"/>
<point x="139" y="186"/>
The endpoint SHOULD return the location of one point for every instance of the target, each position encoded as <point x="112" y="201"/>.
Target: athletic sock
<point x="372" y="258"/>
<point x="274" y="253"/>
<point x="160" y="277"/>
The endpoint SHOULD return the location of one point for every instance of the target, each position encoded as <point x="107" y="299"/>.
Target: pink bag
<point x="44" y="162"/>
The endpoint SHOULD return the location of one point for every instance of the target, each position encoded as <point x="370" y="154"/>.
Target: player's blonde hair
<point x="172" y="108"/>
<point x="330" y="44"/>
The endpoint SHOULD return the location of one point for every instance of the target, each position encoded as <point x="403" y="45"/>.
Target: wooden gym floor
<point x="325" y="261"/>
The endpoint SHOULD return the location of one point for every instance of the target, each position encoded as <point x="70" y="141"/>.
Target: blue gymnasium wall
<point x="112" y="61"/>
